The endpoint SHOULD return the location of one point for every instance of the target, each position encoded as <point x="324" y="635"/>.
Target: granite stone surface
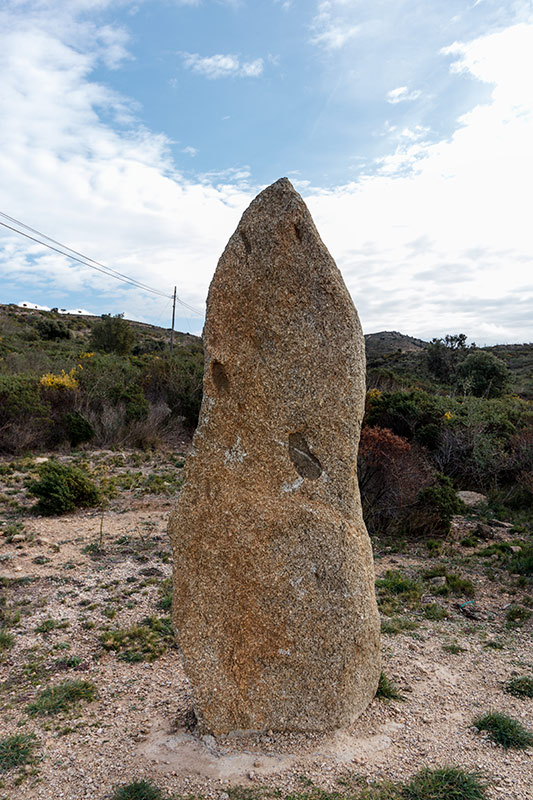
<point x="274" y="604"/>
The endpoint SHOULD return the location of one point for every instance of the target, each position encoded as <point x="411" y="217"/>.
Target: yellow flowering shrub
<point x="65" y="380"/>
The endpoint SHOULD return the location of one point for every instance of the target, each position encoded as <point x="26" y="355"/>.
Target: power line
<point x="85" y="263"/>
<point x="75" y="255"/>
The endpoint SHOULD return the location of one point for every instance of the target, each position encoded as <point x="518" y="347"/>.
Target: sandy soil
<point x="138" y="725"/>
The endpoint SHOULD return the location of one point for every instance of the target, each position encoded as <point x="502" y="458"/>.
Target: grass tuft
<point x="138" y="790"/>
<point x="48" y="625"/>
<point x="494" y="644"/>
<point x="395" y="591"/>
<point x="446" y="783"/>
<point x="435" y="612"/>
<point x="61" y="697"/>
<point x="6" y="641"/>
<point x="387" y="689"/>
<point x="395" y="625"/>
<point x="522" y="562"/>
<point x="453" y="648"/>
<point x="520" y="687"/>
<point x="504" y="730"/>
<point x="165" y="588"/>
<point x="16" y="750"/>
<point x="144" y="642"/>
<point x="516" y="616"/>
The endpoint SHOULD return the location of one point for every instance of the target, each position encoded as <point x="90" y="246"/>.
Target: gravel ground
<point x="138" y="725"/>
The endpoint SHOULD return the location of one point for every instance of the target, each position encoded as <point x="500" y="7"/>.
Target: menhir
<point x="274" y="603"/>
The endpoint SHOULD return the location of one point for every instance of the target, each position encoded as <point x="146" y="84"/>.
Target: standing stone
<point x="274" y="603"/>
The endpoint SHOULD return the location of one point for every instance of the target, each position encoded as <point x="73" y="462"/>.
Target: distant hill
<point x="395" y="360"/>
<point x="17" y="329"/>
<point x="386" y="342"/>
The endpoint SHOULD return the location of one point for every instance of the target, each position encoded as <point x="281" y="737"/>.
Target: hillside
<point x="87" y="590"/>
<point x="395" y="360"/>
<point x="60" y="385"/>
<point x="387" y="342"/>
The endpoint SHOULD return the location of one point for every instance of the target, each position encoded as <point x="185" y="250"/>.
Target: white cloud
<point x="113" y="194"/>
<point x="437" y="240"/>
<point x="222" y="66"/>
<point x="190" y="151"/>
<point x="402" y="94"/>
<point x="330" y="31"/>
<point x="465" y="201"/>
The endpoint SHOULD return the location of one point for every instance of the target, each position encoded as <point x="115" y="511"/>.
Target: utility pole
<point x="173" y="317"/>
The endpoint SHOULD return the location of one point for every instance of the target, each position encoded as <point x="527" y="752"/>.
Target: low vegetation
<point x="445" y="783"/>
<point x="61" y="488"/>
<point x="62" y="697"/>
<point x="504" y="730"/>
<point x="72" y="381"/>
<point x="138" y="790"/>
<point x="17" y="750"/>
<point x="387" y="689"/>
<point x="520" y="687"/>
<point x="107" y="404"/>
<point x="144" y="642"/>
<point x="396" y="591"/>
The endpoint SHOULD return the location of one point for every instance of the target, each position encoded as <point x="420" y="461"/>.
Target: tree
<point x="443" y="356"/>
<point x="113" y="335"/>
<point x="483" y="374"/>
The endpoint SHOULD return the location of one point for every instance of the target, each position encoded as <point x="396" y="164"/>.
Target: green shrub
<point x="78" y="429"/>
<point x="17" y="750"/>
<point x="50" y="329"/>
<point x="436" y="505"/>
<point x="504" y="730"/>
<point x="20" y="398"/>
<point x="177" y="380"/>
<point x="483" y="374"/>
<point x="135" y="403"/>
<point x="406" y="413"/>
<point x="387" y="689"/>
<point x="62" y="697"/>
<point x="113" y="335"/>
<point x="520" y="687"/>
<point x="138" y="790"/>
<point x="61" y="488"/>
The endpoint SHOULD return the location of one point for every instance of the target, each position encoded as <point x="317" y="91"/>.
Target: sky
<point x="138" y="131"/>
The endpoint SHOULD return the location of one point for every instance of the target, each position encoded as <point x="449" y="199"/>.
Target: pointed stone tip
<point x="281" y="185"/>
<point x="278" y="197"/>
